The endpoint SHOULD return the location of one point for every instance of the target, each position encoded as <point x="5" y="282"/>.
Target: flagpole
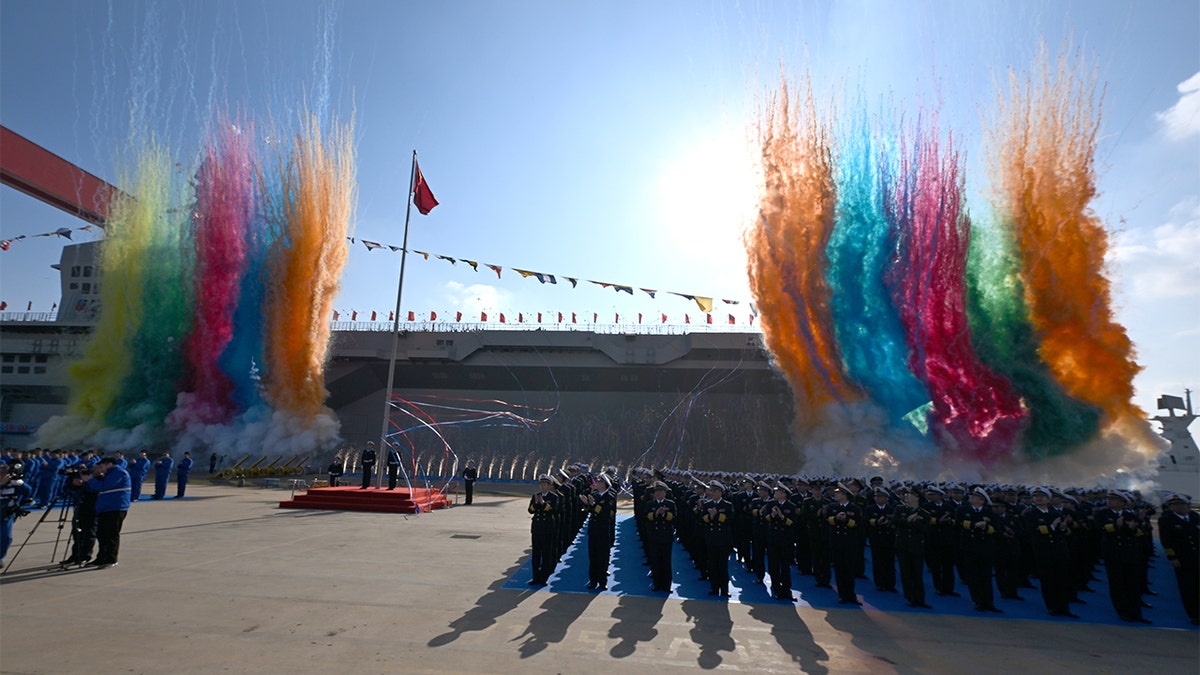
<point x="384" y="447"/>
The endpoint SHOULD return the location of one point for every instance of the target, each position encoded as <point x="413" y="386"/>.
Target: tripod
<point x="65" y="502"/>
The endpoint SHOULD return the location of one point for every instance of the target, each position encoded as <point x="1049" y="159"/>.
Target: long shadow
<point x="712" y="630"/>
<point x="558" y="613"/>
<point x="495" y="603"/>
<point x="871" y="639"/>
<point x="636" y="621"/>
<point x="793" y="635"/>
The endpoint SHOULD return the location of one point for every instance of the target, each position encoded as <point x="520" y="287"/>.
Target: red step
<point x="400" y="500"/>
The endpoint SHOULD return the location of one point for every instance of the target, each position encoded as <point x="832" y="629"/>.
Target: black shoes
<point x="922" y="605"/>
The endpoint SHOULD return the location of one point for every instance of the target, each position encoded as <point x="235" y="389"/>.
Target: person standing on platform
<point x="1121" y="534"/>
<point x="469" y="475"/>
<point x="182" y="472"/>
<point x="393" y="467"/>
<point x="717" y="519"/>
<point x="368" y="465"/>
<point x="911" y="523"/>
<point x="543" y="507"/>
<point x="336" y="468"/>
<point x="1048" y="530"/>
<point x="780" y="516"/>
<point x="138" y="469"/>
<point x="602" y="511"/>
<point x="977" y="542"/>
<point x="845" y="543"/>
<point x="881" y="532"/>
<point x="162" y="474"/>
<point x="661" y="514"/>
<point x="111" y="485"/>
<point x="1179" y="532"/>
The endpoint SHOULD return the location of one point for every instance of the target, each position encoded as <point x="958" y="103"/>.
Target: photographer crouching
<point x="111" y="485"/>
<point x="14" y="494"/>
<point x="83" y="523"/>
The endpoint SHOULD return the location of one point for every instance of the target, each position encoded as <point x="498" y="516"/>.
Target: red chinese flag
<point x="687" y="318"/>
<point x="422" y="196"/>
<point x="458" y="316"/>
<point x="433" y="316"/>
<point x="664" y="318"/>
<point x="539" y="317"/>
<point x="616" y="318"/>
<point x="709" y="318"/>
<point x="502" y="318"/>
<point x="411" y="316"/>
<point x="335" y="312"/>
<point x="354" y="315"/>
<point x="751" y="319"/>
<point x="732" y="320"/>
<point x="391" y="316"/>
<point x="483" y="317"/>
<point x="573" y="320"/>
<point x="639" y="317"/>
<point x="560" y="317"/>
<point x="595" y="317"/>
<point x="520" y="317"/>
<point x="374" y="315"/>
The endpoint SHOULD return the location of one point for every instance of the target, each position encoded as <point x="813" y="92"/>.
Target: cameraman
<point x="111" y="485"/>
<point x="83" y="524"/>
<point x="14" y="494"/>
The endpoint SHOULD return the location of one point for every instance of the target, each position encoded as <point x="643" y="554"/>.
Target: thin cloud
<point x="1182" y="120"/>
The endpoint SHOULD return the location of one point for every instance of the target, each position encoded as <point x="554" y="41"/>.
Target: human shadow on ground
<point x="636" y="620"/>
<point x="871" y="638"/>
<point x="495" y="603"/>
<point x="712" y="630"/>
<point x="558" y="613"/>
<point x="792" y="634"/>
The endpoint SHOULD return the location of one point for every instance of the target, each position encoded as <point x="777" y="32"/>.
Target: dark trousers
<point x="804" y="557"/>
<point x="883" y="563"/>
<point x="779" y="564"/>
<point x="659" y="552"/>
<point x="545" y="555"/>
<point x="1008" y="562"/>
<point x="1187" y="575"/>
<point x="180" y="485"/>
<point x="912" y="575"/>
<point x="392" y="473"/>
<point x="469" y="487"/>
<point x="368" y="474"/>
<point x="977" y="572"/>
<point x="718" y="567"/>
<point x="83" y="528"/>
<point x="758" y="554"/>
<point x="333" y="479"/>
<point x="1124" y="586"/>
<point x="160" y="486"/>
<point x="939" y="557"/>
<point x="108" y="534"/>
<point x="845" y="570"/>
<point x="1054" y="577"/>
<point x="600" y="543"/>
<point x="821" y="563"/>
<point x="135" y="489"/>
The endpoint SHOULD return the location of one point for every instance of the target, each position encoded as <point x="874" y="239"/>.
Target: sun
<point x="710" y="191"/>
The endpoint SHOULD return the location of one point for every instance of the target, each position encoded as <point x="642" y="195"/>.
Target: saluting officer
<point x="912" y="522"/>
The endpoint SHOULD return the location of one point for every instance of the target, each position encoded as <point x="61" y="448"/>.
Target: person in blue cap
<point x="111" y="485"/>
<point x="182" y="472"/>
<point x="162" y="474"/>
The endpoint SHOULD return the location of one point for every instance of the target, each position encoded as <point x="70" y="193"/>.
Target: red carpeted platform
<point x="400" y="500"/>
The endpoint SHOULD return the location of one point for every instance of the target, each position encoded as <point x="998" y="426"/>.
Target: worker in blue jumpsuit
<point x="162" y="473"/>
<point x="138" y="469"/>
<point x="181" y="474"/>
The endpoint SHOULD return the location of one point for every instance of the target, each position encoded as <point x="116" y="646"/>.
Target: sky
<point x="602" y="141"/>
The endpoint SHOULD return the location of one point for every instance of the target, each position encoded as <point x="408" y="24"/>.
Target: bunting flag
<point x="732" y="302"/>
<point x="483" y="317"/>
<point x="574" y="282"/>
<point x="371" y="245"/>
<point x="374" y="315"/>
<point x="423" y="254"/>
<point x="664" y="318"/>
<point x="474" y="265"/>
<point x="560" y="317"/>
<point x="709" y="319"/>
<point x="412" y="316"/>
<point x="650" y="292"/>
<point x="447" y="258"/>
<point x="623" y="289"/>
<point x="458" y="316"/>
<point x="705" y="303"/>
<point x="63" y="232"/>
<point x="502" y="318"/>
<point x="394" y="248"/>
<point x="422" y="196"/>
<point x="4" y="244"/>
<point x="335" y="315"/>
<point x="732" y="320"/>
<point x="525" y="274"/>
<point x="496" y="269"/>
<point x="353" y="315"/>
<point x="433" y="316"/>
<point x="601" y="284"/>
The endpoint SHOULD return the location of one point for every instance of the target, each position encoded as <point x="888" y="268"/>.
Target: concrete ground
<point x="224" y="581"/>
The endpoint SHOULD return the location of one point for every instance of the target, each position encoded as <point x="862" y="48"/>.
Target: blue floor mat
<point x="628" y="576"/>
